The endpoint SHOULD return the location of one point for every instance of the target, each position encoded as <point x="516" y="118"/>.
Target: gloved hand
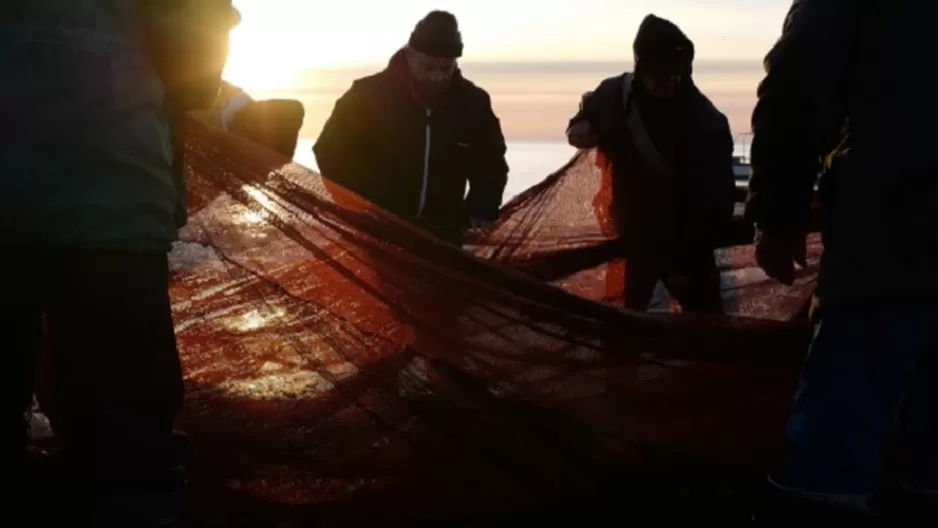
<point x="584" y="97"/>
<point x="777" y="254"/>
<point x="581" y="135"/>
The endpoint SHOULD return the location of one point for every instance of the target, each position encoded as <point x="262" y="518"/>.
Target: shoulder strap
<point x="643" y="141"/>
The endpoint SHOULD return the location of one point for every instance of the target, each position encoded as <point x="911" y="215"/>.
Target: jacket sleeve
<point x="490" y="169"/>
<point x="589" y="110"/>
<point x="341" y="151"/>
<point x="800" y="111"/>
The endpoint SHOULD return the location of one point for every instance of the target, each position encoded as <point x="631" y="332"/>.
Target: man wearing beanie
<point x="862" y="439"/>
<point x="413" y="136"/>
<point x="671" y="156"/>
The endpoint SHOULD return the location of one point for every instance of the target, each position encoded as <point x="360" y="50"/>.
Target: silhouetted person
<point x="411" y="137"/>
<point x="671" y="153"/>
<point x="870" y="382"/>
<point x="91" y="204"/>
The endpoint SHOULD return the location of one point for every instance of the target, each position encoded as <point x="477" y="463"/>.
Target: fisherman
<point x="869" y="385"/>
<point x="671" y="156"/>
<point x="410" y="138"/>
<point x="90" y="207"/>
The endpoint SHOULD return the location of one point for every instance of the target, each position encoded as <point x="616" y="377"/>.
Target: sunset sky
<point x="281" y="43"/>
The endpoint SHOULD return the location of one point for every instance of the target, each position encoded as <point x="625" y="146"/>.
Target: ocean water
<point x="529" y="161"/>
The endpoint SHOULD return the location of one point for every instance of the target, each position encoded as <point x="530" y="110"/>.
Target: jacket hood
<point x="661" y="46"/>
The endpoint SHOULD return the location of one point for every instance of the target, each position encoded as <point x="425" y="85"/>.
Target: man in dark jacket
<point x="411" y="137"/>
<point x="90" y="207"/>
<point x="671" y="154"/>
<point x="870" y="382"/>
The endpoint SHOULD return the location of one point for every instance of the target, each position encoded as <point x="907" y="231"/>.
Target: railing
<point x="744" y="141"/>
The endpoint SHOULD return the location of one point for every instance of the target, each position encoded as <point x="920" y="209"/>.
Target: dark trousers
<point x="114" y="368"/>
<point x="869" y="387"/>
<point x="447" y="232"/>
<point x="692" y="278"/>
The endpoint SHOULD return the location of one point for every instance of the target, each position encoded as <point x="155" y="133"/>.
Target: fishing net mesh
<point x="340" y="362"/>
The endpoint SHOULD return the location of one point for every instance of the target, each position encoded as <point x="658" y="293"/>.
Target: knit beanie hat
<point x="437" y="35"/>
<point x="661" y="47"/>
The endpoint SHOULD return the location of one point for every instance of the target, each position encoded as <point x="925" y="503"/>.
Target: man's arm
<point x="588" y="111"/>
<point x="801" y="110"/>
<point x="583" y="127"/>
<point x="340" y="150"/>
<point x="490" y="170"/>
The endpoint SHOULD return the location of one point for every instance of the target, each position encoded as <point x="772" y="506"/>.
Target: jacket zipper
<point x="426" y="168"/>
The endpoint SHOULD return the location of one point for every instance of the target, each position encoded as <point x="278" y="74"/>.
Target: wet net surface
<point x="344" y="365"/>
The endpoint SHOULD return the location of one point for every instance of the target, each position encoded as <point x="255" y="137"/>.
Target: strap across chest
<point x="646" y="147"/>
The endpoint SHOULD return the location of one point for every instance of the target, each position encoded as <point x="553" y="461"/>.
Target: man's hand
<point x="778" y="254"/>
<point x="482" y="224"/>
<point x="581" y="135"/>
<point x="584" y="97"/>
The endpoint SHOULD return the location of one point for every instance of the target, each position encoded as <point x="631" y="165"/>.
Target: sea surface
<point x="529" y="162"/>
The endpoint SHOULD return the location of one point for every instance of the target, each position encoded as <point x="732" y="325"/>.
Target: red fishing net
<point x="340" y="363"/>
<point x="561" y="231"/>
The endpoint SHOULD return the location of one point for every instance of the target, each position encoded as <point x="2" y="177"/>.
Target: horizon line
<point x="734" y="65"/>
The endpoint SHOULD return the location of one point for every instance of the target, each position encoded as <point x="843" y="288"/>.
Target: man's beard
<point x="430" y="90"/>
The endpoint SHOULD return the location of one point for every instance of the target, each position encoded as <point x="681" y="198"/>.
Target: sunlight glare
<point x="257" y="61"/>
<point x="277" y="41"/>
<point x="259" y="196"/>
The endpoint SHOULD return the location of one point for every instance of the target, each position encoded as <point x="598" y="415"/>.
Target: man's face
<point x="661" y="86"/>
<point x="189" y="44"/>
<point x="432" y="74"/>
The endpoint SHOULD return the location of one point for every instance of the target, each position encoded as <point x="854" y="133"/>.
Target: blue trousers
<point x="868" y="389"/>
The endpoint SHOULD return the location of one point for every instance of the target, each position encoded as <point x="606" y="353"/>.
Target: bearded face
<point x="432" y="74"/>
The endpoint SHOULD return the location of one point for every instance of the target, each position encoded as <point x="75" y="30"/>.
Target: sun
<point x="257" y="63"/>
<point x="278" y="40"/>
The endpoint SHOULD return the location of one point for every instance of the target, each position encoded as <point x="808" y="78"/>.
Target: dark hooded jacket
<point x="383" y="144"/>
<point x="850" y="65"/>
<point x="691" y="208"/>
<point x="89" y="159"/>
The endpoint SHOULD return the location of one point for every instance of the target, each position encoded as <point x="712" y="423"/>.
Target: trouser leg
<point x="642" y="272"/>
<point x="21" y="331"/>
<point x="116" y="373"/>
<point x="913" y="497"/>
<point x="694" y="281"/>
<point x="860" y="365"/>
